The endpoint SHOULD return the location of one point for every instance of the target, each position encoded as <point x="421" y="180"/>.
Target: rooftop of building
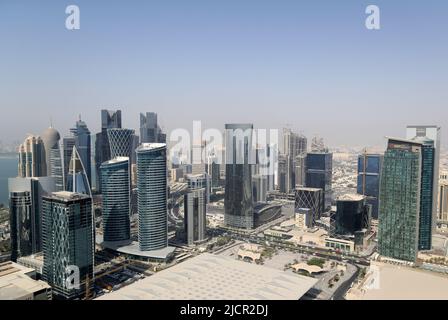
<point x="117" y="160"/>
<point x="308" y="189"/>
<point x="67" y="196"/>
<point x="150" y="146"/>
<point x="351" y="197"/>
<point x="15" y="282"/>
<point x="215" y="277"/>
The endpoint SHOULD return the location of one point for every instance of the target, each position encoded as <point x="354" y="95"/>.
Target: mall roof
<point x="215" y="277"/>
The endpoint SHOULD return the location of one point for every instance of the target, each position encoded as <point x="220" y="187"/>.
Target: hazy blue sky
<point x="311" y="64"/>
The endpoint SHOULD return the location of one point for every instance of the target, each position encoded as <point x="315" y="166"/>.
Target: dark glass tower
<point x="352" y="214"/>
<point x="240" y="158"/>
<point x="399" y="202"/>
<point x="150" y="131"/>
<point x="116" y="199"/>
<point x="319" y="174"/>
<point x="426" y="195"/>
<point x="25" y="207"/>
<point x="109" y="120"/>
<point x="369" y="169"/>
<point x="68" y="240"/>
<point x="152" y="196"/>
<point x="82" y="138"/>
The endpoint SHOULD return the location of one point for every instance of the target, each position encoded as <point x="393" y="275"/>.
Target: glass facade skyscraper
<point x="319" y="174"/>
<point x="152" y="196"/>
<point x="121" y="142"/>
<point x="238" y="201"/>
<point x="116" y="199"/>
<point x="68" y="241"/>
<point x="369" y="170"/>
<point x="32" y="161"/>
<point x="150" y="131"/>
<point x="82" y="138"/>
<point x="309" y="198"/>
<point x="399" y="202"/>
<point x="25" y="207"/>
<point x="109" y="120"/>
<point x="195" y="216"/>
<point x="429" y="136"/>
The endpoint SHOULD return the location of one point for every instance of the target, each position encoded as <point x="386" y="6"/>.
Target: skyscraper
<point x="300" y="170"/>
<point x="152" y="196"/>
<point x="32" y="161"/>
<point x="68" y="242"/>
<point x="110" y="119"/>
<point x="150" y="131"/>
<point x="238" y="200"/>
<point x="77" y="180"/>
<point x="25" y="205"/>
<point x="443" y="202"/>
<point x="284" y="174"/>
<point x="68" y="143"/>
<point x="116" y="199"/>
<point x="369" y="170"/>
<point x="293" y="146"/>
<point x="213" y="170"/>
<point x="399" y="202"/>
<point x="121" y="142"/>
<point x="309" y="198"/>
<point x="429" y="136"/>
<point x="260" y="187"/>
<point x="54" y="168"/>
<point x="195" y="215"/>
<point x="319" y="174"/>
<point x="82" y="138"/>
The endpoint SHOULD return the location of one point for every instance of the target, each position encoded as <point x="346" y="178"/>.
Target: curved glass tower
<point x="121" y="141"/>
<point x="152" y="196"/>
<point x="115" y="183"/>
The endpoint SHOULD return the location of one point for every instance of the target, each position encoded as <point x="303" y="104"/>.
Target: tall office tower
<point x="443" y="202"/>
<point x="152" y="196"/>
<point x="353" y="214"/>
<point x="68" y="243"/>
<point x="67" y="149"/>
<point x="369" y="170"/>
<point x="238" y="201"/>
<point x="110" y="119"/>
<point x="25" y="207"/>
<point x="198" y="181"/>
<point x="51" y="139"/>
<point x="116" y="199"/>
<point x="400" y="189"/>
<point x="319" y="174"/>
<point x="213" y="170"/>
<point x="429" y="136"/>
<point x="309" y="198"/>
<point x="77" y="180"/>
<point x="32" y="161"/>
<point x="293" y="146"/>
<point x="260" y="187"/>
<point x="150" y="131"/>
<point x="121" y="142"/>
<point x="195" y="220"/>
<point x="300" y="170"/>
<point x="83" y="145"/>
<point x="266" y="161"/>
<point x="283" y="173"/>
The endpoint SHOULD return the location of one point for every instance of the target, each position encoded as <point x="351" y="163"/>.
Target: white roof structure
<point x="215" y="277"/>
